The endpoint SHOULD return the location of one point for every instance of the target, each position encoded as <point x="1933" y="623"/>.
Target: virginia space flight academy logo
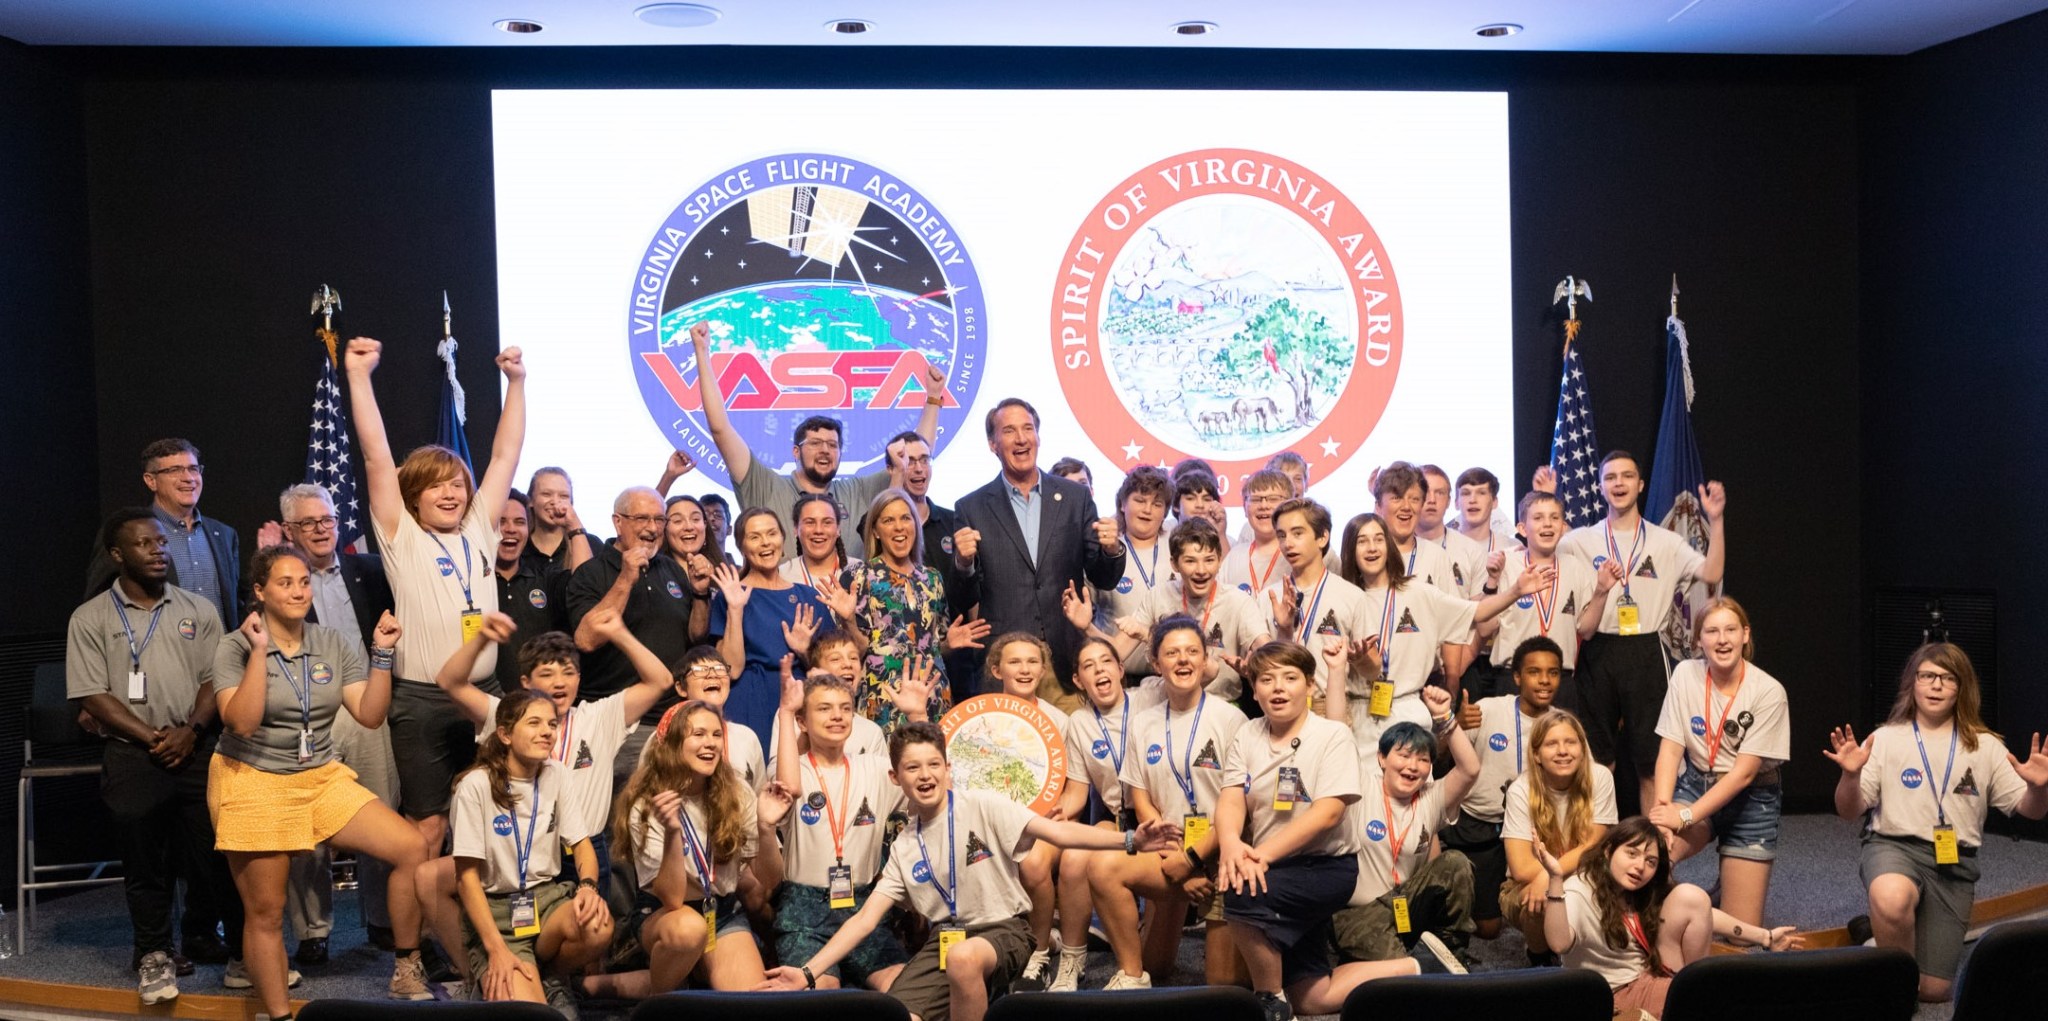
<point x="1227" y="304"/>
<point x="829" y="287"/>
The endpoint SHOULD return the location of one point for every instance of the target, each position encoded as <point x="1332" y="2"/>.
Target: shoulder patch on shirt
<point x="1967" y="786"/>
<point x="1649" y="567"/>
<point x="583" y="757"/>
<point x="1328" y="625"/>
<point x="1407" y="623"/>
<point x="1208" y="759"/>
<point x="1571" y="604"/>
<point x="865" y="816"/>
<point x="977" y="848"/>
<point x="188" y="629"/>
<point x="321" y="672"/>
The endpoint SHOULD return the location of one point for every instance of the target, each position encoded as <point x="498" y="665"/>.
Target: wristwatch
<point x="574" y="532"/>
<point x="1685" y="816"/>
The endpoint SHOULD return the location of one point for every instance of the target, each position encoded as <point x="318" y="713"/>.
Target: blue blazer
<point x="1018" y="594"/>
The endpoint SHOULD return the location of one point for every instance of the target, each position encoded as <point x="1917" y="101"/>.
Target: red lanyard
<point x="1394" y="840"/>
<point x="564" y="746"/>
<point x="1634" y="925"/>
<point x="1546" y="602"/>
<point x="1259" y="578"/>
<point x="1205" y="610"/>
<point x="833" y="820"/>
<point x="1713" y="735"/>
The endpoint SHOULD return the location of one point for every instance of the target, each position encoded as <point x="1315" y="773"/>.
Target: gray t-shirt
<point x="176" y="660"/>
<point x="777" y="491"/>
<point x="326" y="663"/>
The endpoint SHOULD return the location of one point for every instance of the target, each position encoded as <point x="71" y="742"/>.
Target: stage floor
<point x="84" y="939"/>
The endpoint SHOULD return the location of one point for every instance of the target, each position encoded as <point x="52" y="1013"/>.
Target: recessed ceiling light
<point x="848" y="26"/>
<point x="678" y="15"/>
<point x="1194" y="28"/>
<point x="1499" y="31"/>
<point x="517" y="26"/>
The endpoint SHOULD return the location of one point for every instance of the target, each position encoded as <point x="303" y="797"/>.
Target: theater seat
<point x="809" y="1005"/>
<point x="1866" y="983"/>
<point x="400" y="1010"/>
<point x="1566" y="994"/>
<point x="1181" y="1003"/>
<point x="1998" y="980"/>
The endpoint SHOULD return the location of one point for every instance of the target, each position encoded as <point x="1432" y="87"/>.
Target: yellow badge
<point x="472" y="624"/>
<point x="949" y="935"/>
<point x="1192" y="829"/>
<point x="1946" y="850"/>
<point x="710" y="926"/>
<point x="1401" y="923"/>
<point x="1628" y="617"/>
<point x="1382" y="705"/>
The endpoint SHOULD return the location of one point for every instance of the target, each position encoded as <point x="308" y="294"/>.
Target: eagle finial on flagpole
<point x="326" y="302"/>
<point x="446" y="350"/>
<point x="1569" y="291"/>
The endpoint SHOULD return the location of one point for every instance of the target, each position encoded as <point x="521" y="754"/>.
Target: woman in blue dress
<point x="776" y="617"/>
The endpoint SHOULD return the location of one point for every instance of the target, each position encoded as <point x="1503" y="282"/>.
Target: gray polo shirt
<point x="777" y="491"/>
<point x="326" y="663"/>
<point x="176" y="660"/>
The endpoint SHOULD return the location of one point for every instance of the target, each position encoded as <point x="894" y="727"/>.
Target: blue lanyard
<point x="1387" y="634"/>
<point x="1144" y="575"/>
<point x="1940" y="813"/>
<point x="1116" y="750"/>
<point x="1411" y="559"/>
<point x="525" y="849"/>
<point x="1307" y="624"/>
<point x="707" y="870"/>
<point x="1517" y="707"/>
<point x="134" y="650"/>
<point x="1187" y="782"/>
<point x="303" y="693"/>
<point x="1628" y="569"/>
<point x="462" y="573"/>
<point x="952" y="887"/>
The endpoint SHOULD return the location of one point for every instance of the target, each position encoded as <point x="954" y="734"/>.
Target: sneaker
<point x="409" y="979"/>
<point x="312" y="951"/>
<point x="1859" y="931"/>
<point x="1143" y="980"/>
<point x="1275" y="1006"/>
<point x="1434" y="958"/>
<point x="156" y="980"/>
<point x="182" y="963"/>
<point x="206" y="948"/>
<point x="237" y="976"/>
<point x="559" y="997"/>
<point x="1067" y="977"/>
<point x="1033" y="978"/>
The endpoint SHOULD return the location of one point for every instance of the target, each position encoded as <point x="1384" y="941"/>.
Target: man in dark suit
<point x="205" y="555"/>
<point x="1026" y="536"/>
<point x="350" y="594"/>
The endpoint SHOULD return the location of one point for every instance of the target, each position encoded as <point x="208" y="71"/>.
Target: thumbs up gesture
<point x="1468" y="714"/>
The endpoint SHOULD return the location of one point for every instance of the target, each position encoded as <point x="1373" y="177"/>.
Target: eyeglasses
<point x="924" y="461"/>
<point x="1935" y="677"/>
<point x="816" y="444"/>
<point x="642" y="519"/>
<point x="179" y="471"/>
<point x="321" y="524"/>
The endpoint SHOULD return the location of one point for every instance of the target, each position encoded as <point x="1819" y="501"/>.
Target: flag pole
<point x="326" y="302"/>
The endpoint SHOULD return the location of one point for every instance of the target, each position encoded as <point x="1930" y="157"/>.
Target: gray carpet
<point x="84" y="939"/>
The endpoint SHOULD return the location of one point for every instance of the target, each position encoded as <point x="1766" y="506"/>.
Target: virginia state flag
<point x="1677" y="466"/>
<point x="450" y="433"/>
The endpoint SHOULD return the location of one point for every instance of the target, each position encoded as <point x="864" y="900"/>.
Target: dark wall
<point x="226" y="185"/>
<point x="47" y="419"/>
<point x="1955" y="368"/>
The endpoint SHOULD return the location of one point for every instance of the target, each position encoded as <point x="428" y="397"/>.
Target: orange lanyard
<point x="1394" y="840"/>
<point x="1205" y="610"/>
<point x="1259" y="578"/>
<point x="1713" y="735"/>
<point x="833" y="820"/>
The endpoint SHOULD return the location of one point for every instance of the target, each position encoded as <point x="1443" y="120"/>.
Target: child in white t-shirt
<point x="1924" y="783"/>
<point x="1564" y="799"/>
<point x="1498" y="728"/>
<point x="956" y="864"/>
<point x="1022" y="663"/>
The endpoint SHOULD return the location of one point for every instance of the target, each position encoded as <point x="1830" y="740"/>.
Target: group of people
<point x="615" y="768"/>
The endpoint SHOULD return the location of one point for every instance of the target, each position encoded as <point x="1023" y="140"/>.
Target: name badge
<point x="1401" y="923"/>
<point x="1628" y="618"/>
<point x="1283" y="791"/>
<point x="1382" y="705"/>
<point x="839" y="886"/>
<point x="138" y="687"/>
<point x="1192" y="830"/>
<point x="1946" y="850"/>
<point x="305" y="746"/>
<point x="472" y="624"/>
<point x="949" y="935"/>
<point x="524" y="923"/>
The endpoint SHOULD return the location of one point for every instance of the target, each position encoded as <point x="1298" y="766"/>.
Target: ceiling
<point x="1652" y="26"/>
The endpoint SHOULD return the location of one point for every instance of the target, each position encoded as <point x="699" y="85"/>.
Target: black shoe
<point x="1859" y="930"/>
<point x="1434" y="958"/>
<point x="1545" y="959"/>
<point x="204" y="948"/>
<point x="182" y="964"/>
<point x="380" y="937"/>
<point x="1033" y="979"/>
<point x="312" y="951"/>
<point x="437" y="967"/>
<point x="1276" y="1007"/>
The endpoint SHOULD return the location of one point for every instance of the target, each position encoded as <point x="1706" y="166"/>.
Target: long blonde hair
<point x="1577" y="824"/>
<point x="664" y="770"/>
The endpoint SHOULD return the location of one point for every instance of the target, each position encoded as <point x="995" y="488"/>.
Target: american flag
<point x="327" y="457"/>
<point x="1574" y="451"/>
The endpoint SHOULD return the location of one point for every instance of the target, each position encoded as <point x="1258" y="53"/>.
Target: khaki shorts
<point x="255" y="810"/>
<point x="924" y="990"/>
<point x="547" y="899"/>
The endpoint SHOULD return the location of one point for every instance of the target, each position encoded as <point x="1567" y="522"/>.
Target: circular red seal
<point x="1227" y="304"/>
<point x="1006" y="744"/>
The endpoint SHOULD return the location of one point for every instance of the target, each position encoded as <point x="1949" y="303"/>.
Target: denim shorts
<point x="1748" y="825"/>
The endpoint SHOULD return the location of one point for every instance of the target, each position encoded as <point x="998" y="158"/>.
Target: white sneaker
<point x="1143" y="980"/>
<point x="1067" y="978"/>
<point x="1033" y="978"/>
<point x="156" y="978"/>
<point x="237" y="976"/>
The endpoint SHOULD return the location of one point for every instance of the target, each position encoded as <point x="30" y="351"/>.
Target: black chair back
<point x="810" y="1005"/>
<point x="1998" y="979"/>
<point x="429" y="1010"/>
<point x="1566" y="994"/>
<point x="1181" y="1003"/>
<point x="1866" y="983"/>
<point x="52" y="719"/>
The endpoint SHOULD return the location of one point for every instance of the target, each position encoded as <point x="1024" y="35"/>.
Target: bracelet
<point x="1554" y="896"/>
<point x="810" y="980"/>
<point x="574" y="532"/>
<point x="587" y="881"/>
<point x="1130" y="841"/>
<point x="383" y="659"/>
<point x="934" y="401"/>
<point x="1490" y="589"/>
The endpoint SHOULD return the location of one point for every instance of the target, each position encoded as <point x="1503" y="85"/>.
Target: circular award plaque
<point x="1006" y="744"/>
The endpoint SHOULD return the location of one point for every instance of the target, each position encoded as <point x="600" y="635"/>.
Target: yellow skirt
<point x="257" y="810"/>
